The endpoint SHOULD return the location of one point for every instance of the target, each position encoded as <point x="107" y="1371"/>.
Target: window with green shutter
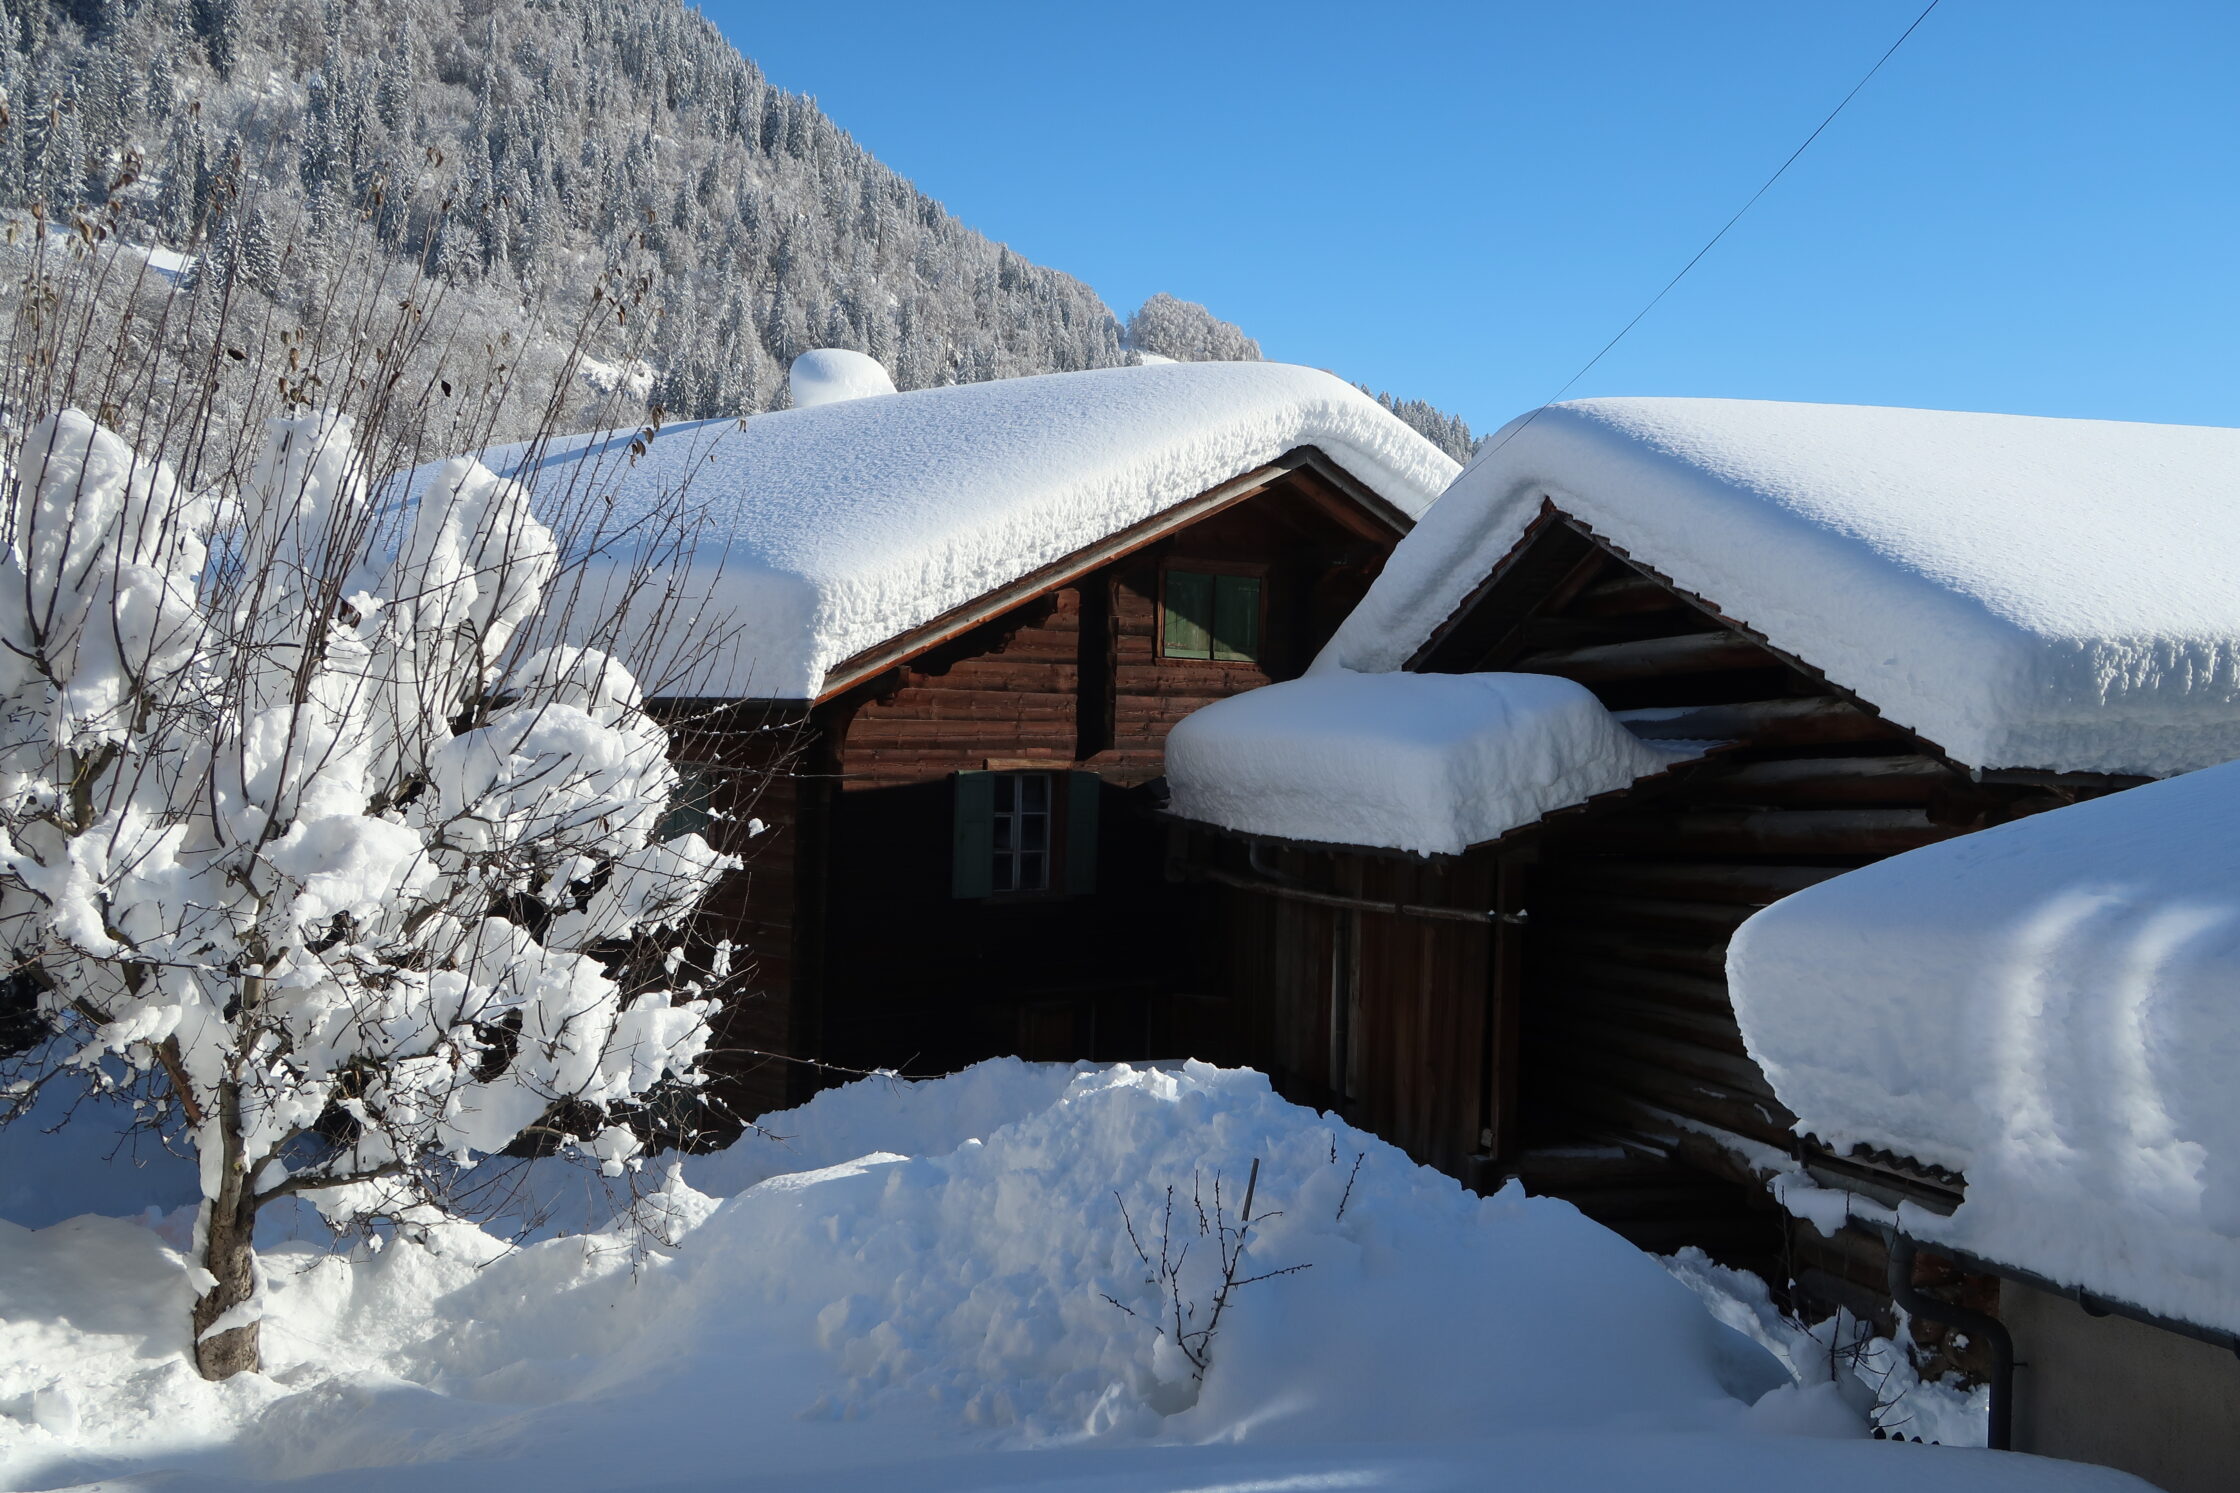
<point x="1020" y="833"/>
<point x="1211" y="615"/>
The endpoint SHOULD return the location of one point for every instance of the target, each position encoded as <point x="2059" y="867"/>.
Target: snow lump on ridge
<point x="1432" y="763"/>
<point x="828" y="375"/>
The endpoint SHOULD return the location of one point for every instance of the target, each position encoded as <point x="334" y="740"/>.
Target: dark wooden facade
<point x="860" y="953"/>
<point x="1553" y="1006"/>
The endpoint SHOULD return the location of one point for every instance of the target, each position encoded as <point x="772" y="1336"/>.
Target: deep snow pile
<point x="2024" y="592"/>
<point x="1432" y="763"/>
<point x="828" y="530"/>
<point x="2049" y="1008"/>
<point x="916" y="1277"/>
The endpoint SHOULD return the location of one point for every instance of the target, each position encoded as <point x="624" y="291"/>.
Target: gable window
<point x="1210" y="614"/>
<point x="1023" y="833"/>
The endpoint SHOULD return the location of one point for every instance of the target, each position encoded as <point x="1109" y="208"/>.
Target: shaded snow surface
<point x="826" y="531"/>
<point x="1432" y="763"/>
<point x="2047" y="1007"/>
<point x="908" y="1292"/>
<point x="2024" y="592"/>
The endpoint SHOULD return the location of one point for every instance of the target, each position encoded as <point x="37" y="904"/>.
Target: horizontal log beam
<point x="1716" y="1030"/>
<point x="1706" y="881"/>
<point x="1646" y="658"/>
<point x="1619" y="1091"/>
<point x="1831" y="832"/>
<point x="1658" y="1049"/>
<point x="1905" y="778"/>
<point x="1697" y="992"/>
<point x="1805" y="720"/>
<point x="1698" y="956"/>
<point x="1654" y="912"/>
<point x="1630" y="593"/>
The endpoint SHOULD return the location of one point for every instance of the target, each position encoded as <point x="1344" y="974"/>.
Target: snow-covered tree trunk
<point x="225" y="1329"/>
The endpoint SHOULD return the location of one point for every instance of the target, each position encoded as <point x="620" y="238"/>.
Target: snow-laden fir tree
<point x="1187" y="332"/>
<point x="312" y="836"/>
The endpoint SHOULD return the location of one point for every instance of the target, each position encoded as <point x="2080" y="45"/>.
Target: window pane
<point x="1189" y="617"/>
<point x="1007" y="789"/>
<point x="1036" y="788"/>
<point x="1034" y="873"/>
<point x="1002" y="828"/>
<point x="1236" y="617"/>
<point x="1006" y="874"/>
<point x="1034" y="832"/>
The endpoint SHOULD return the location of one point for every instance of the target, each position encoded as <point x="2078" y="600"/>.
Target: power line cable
<point x="1588" y="366"/>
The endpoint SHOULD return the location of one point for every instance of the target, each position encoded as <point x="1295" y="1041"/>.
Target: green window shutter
<point x="972" y="867"/>
<point x="691" y="808"/>
<point x="1236" y="616"/>
<point x="1083" y="791"/>
<point x="1186" y="631"/>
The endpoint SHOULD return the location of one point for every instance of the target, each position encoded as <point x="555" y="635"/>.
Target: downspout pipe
<point x="1999" y="1434"/>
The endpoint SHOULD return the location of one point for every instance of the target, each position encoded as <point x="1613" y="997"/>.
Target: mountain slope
<point x="528" y="150"/>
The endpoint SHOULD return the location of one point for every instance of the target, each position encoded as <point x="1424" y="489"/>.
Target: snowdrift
<point x="935" y="1282"/>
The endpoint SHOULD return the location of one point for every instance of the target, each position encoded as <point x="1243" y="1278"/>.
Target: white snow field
<point x="1431" y="763"/>
<point x="828" y="530"/>
<point x="2024" y="592"/>
<point x="2049" y="1008"/>
<point x="909" y="1291"/>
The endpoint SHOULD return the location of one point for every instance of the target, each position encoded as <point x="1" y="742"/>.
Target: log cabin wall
<point x="1633" y="1076"/>
<point x="1071" y="682"/>
<point x="743" y="763"/>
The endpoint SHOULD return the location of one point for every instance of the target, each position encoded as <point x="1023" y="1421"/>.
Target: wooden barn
<point x="922" y="665"/>
<point x="1845" y="632"/>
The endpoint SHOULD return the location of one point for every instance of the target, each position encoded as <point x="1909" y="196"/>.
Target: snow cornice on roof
<point x="825" y="533"/>
<point x="2045" y="1007"/>
<point x="2022" y="592"/>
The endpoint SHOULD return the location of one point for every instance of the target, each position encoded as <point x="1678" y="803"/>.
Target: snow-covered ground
<point x="934" y="1286"/>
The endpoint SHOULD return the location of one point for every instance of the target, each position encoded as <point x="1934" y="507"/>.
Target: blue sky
<point x="2035" y="207"/>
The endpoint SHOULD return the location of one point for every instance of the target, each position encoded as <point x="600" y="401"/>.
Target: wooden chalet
<point x="1551" y="1004"/>
<point x="950" y="850"/>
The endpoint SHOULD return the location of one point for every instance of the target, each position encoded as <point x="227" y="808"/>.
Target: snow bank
<point x="2024" y="592"/>
<point x="1431" y="763"/>
<point x="826" y="531"/>
<point x="933" y="1308"/>
<point x="827" y="375"/>
<point x="2047" y="1007"/>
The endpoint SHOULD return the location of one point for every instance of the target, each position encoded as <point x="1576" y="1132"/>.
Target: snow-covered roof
<point x="2050" y="1007"/>
<point x="2024" y="592"/>
<point x="1432" y="763"/>
<point x="830" y="530"/>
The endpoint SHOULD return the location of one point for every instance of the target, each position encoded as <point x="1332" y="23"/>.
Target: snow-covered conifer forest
<point x="525" y="152"/>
